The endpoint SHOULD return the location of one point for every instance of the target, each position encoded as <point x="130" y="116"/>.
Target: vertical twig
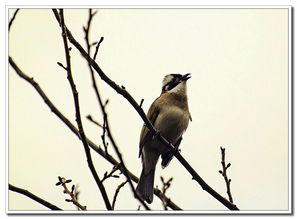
<point x="78" y="116"/>
<point x="106" y="127"/>
<point x="97" y="47"/>
<point x="165" y="187"/>
<point x="223" y="172"/>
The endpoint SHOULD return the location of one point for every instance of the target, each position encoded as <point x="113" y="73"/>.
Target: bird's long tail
<point x="145" y="187"/>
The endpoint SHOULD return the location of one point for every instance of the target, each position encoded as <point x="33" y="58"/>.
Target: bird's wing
<point x="145" y="134"/>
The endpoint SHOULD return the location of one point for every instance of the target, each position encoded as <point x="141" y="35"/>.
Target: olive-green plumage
<point x="170" y="115"/>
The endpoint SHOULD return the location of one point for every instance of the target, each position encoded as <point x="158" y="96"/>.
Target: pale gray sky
<point x="238" y="98"/>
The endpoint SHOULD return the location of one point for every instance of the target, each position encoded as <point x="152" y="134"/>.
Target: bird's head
<point x="175" y="83"/>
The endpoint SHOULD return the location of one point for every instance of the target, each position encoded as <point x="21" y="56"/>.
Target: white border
<point x="197" y="212"/>
<point x="154" y="6"/>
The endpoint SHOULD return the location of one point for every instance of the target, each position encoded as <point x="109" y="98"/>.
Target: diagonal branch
<point x="34" y="197"/>
<point x="122" y="91"/>
<point x="12" y="19"/>
<point x="67" y="122"/>
<point x="102" y="106"/>
<point x="117" y="192"/>
<point x="78" y="116"/>
<point x="106" y="126"/>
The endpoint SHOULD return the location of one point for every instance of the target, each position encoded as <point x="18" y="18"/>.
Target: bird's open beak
<point x="186" y="77"/>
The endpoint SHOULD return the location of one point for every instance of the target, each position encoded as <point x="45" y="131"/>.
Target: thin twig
<point x="97" y="47"/>
<point x="124" y="168"/>
<point x="106" y="127"/>
<point x="105" y="144"/>
<point x="165" y="187"/>
<point x="34" y="197"/>
<point x="223" y="172"/>
<point x="78" y="116"/>
<point x="89" y="117"/>
<point x="67" y="122"/>
<point x="94" y="84"/>
<point x="12" y="19"/>
<point x="111" y="173"/>
<point x="122" y="91"/>
<point x="141" y="102"/>
<point x="117" y="192"/>
<point x="72" y="193"/>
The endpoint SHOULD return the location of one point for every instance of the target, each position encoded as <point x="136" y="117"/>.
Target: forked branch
<point x="78" y="115"/>
<point x="72" y="127"/>
<point x="122" y="91"/>
<point x="73" y="193"/>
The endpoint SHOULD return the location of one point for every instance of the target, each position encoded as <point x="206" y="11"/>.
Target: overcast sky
<point x="238" y="98"/>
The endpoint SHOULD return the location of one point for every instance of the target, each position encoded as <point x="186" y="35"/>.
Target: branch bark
<point x="12" y="19"/>
<point x="106" y="126"/>
<point x="67" y="122"/>
<point x="78" y="116"/>
<point x="72" y="193"/>
<point x="34" y="197"/>
<point x="122" y="91"/>
<point x="224" y="174"/>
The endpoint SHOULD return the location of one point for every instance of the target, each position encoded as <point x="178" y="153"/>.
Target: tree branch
<point x="110" y="174"/>
<point x="97" y="47"/>
<point x="78" y="116"/>
<point x="224" y="174"/>
<point x="67" y="122"/>
<point x="117" y="192"/>
<point x="165" y="187"/>
<point x="34" y="197"/>
<point x="122" y="91"/>
<point x="73" y="193"/>
<point x="12" y="19"/>
<point x="106" y="126"/>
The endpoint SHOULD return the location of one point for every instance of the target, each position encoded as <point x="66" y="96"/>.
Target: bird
<point x="170" y="115"/>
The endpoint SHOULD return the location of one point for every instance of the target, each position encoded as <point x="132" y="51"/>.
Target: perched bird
<point x="170" y="115"/>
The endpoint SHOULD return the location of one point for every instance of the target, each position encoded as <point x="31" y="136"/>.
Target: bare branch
<point x="111" y="173"/>
<point x="89" y="117"/>
<point x="223" y="172"/>
<point x="165" y="187"/>
<point x="124" y="169"/>
<point x="97" y="47"/>
<point x="106" y="127"/>
<point x="117" y="192"/>
<point x="34" y="197"/>
<point x="73" y="193"/>
<point x="78" y="116"/>
<point x="67" y="122"/>
<point x="12" y="19"/>
<point x="141" y="102"/>
<point x="122" y="91"/>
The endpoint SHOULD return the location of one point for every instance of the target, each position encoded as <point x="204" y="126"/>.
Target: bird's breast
<point x="172" y="122"/>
